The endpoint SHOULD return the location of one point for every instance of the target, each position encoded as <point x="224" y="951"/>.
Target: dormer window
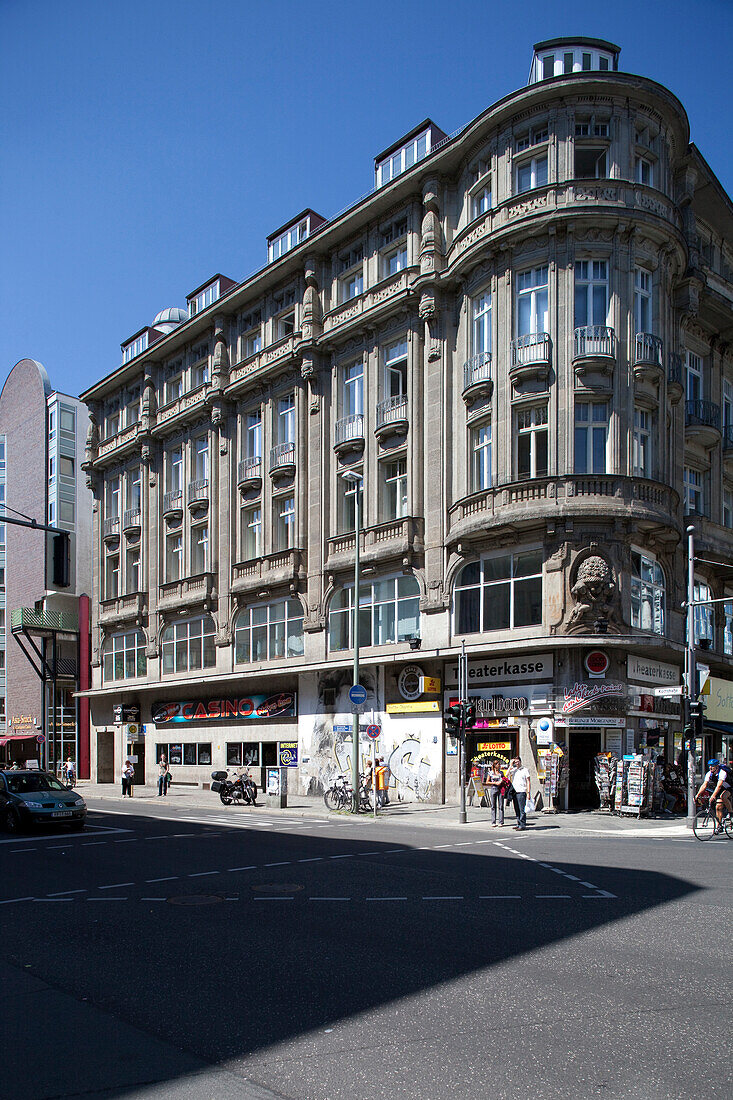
<point x="404" y="154"/>
<point x="135" y="347"/>
<point x="204" y="298"/>
<point x="292" y="234"/>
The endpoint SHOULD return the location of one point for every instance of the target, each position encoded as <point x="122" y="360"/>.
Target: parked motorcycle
<point x="242" y="790"/>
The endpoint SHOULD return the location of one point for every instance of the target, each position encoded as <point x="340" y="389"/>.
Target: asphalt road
<point x="205" y="955"/>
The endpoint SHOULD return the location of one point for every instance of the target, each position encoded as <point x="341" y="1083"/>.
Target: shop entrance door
<point x="137" y="748"/>
<point x="105" y="756"/>
<point x="582" y="790"/>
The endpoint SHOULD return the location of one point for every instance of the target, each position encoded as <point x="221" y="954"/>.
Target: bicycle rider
<point x="717" y="783"/>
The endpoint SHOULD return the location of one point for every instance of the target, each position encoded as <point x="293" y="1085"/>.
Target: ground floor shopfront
<point x="570" y="701"/>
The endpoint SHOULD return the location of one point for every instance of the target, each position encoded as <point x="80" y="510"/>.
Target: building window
<point x="285" y="424"/>
<point x="174" y="557"/>
<point x="647" y="593"/>
<point x="251" y="532"/>
<point x="394" y="497"/>
<point x="703" y="613"/>
<point x="395" y="369"/>
<point x="480" y="442"/>
<point x="204" y="298"/>
<point x="112" y="503"/>
<point x="269" y="631"/>
<point x="395" y="260"/>
<point x="112" y="576"/>
<point x="531" y="442"/>
<point x="284" y="522"/>
<point x="185" y="754"/>
<point x="174" y="470"/>
<point x="643" y="443"/>
<point x="591" y="293"/>
<point x="531" y="302"/>
<point x="199" y="549"/>
<point x="389" y="612"/>
<point x="135" y="347"/>
<point x="500" y="592"/>
<point x="112" y="424"/>
<point x="531" y="173"/>
<point x="173" y="388"/>
<point x="694" y="492"/>
<point x="352" y="285"/>
<point x="642" y="300"/>
<point x="728" y="410"/>
<point x="591" y="437"/>
<point x="189" y="645"/>
<point x="481" y="332"/>
<point x="252" y="435"/>
<point x="693" y="377"/>
<point x="132" y="570"/>
<point x="353" y="389"/>
<point x="201" y="459"/>
<point x="66" y="468"/>
<point x="124" y="656"/>
<point x="288" y="239"/>
<point x="644" y="171"/>
<point x="591" y="162"/>
<point x="404" y="158"/>
<point x="728" y="627"/>
<point x="727" y="508"/>
<point x="132" y="412"/>
<point x="285" y="325"/>
<point x="481" y="196"/>
<point x="200" y="373"/>
<point x="347" y="491"/>
<point x="134" y="489"/>
<point x="252" y="342"/>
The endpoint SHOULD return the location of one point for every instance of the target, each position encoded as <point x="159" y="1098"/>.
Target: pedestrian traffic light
<point x="697" y="717"/>
<point x="60" y="559"/>
<point x="469" y="716"/>
<point x="453" y="719"/>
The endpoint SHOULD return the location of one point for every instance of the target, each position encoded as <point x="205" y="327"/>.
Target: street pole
<point x="691" y="675"/>
<point x="463" y="697"/>
<point x="358" y="485"/>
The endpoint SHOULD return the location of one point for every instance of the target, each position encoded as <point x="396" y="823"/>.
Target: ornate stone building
<point x="520" y="342"/>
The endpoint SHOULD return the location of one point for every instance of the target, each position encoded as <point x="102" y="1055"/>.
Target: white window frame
<point x="538" y="166"/>
<point x="643" y="312"/>
<point x="251" y="531"/>
<point x="532" y="286"/>
<point x="252" y="434"/>
<point x="188" y="646"/>
<point x="480" y="455"/>
<point x="395" y="368"/>
<point x="694" y="377"/>
<point x="268" y="632"/>
<point x="594" y="428"/>
<point x="285" y="419"/>
<point x="694" y="491"/>
<point x="352" y="389"/>
<point x="703" y="615"/>
<point x="132" y="569"/>
<point x="484" y="584"/>
<point x="394" y="475"/>
<point x="122" y="652"/>
<point x="284" y="522"/>
<point x="531" y="424"/>
<point x="643" y="443"/>
<point x="174" y="556"/>
<point x="399" y="160"/>
<point x="199" y="549"/>
<point x="204" y="298"/>
<point x="591" y="275"/>
<point x="383" y="601"/>
<point x="648" y="592"/>
<point x="481" y="318"/>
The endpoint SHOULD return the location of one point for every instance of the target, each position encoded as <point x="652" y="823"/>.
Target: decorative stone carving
<point x="594" y="592"/>
<point x="309" y="374"/>
<point x="311" y="321"/>
<point x="431" y="236"/>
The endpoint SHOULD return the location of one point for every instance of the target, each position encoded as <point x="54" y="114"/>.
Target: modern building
<point x="44" y="641"/>
<point x="520" y="341"/>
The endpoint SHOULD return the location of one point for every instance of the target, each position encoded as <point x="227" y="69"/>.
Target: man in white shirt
<point x="521" y="787"/>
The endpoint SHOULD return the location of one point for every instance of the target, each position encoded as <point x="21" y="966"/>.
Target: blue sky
<point x="148" y="145"/>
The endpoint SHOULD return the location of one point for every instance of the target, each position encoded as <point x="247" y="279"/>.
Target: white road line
<point x="116" y="886"/>
<point x="260" y="898"/>
<point x="282" y="863"/>
<point x="252" y="867"/>
<point x="313" y="859"/>
<point x="53" y="899"/>
<point x="443" y="897"/>
<point x="10" y="901"/>
<point x="329" y="899"/>
<point x="203" y="874"/>
<point x="93" y="843"/>
<point x="106" y="899"/>
<point x="133" y="840"/>
<point x="548" y="896"/>
<point x="51" y="846"/>
<point x="385" y="899"/>
<point x="348" y="855"/>
<point x="18" y="851"/>
<point x="499" y="897"/>
<point x="153" y="899"/>
<point x="59" y="893"/>
<point x="391" y="851"/>
<point x="366" y="854"/>
<point x="168" y="878"/>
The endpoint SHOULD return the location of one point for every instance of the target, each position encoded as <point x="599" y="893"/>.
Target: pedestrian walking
<point x="520" y="780"/>
<point x="494" y="782"/>
<point x="164" y="777"/>
<point x="128" y="774"/>
<point x="382" y="782"/>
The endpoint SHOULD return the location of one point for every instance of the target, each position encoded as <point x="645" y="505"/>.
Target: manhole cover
<point x="196" y="899"/>
<point x="278" y="887"/>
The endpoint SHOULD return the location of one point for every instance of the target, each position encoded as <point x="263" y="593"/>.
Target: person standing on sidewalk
<point x="521" y="786"/>
<point x="128" y="774"/>
<point x="163" y="776"/>
<point x="382" y="782"/>
<point x="495" y="780"/>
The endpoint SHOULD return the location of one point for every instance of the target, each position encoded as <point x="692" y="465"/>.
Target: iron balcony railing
<point x="27" y="618"/>
<point x="477" y="369"/>
<point x="131" y="518"/>
<point x="249" y="468"/>
<point x="534" y="347"/>
<point x="704" y="413"/>
<point x="593" y="340"/>
<point x="728" y="437"/>
<point x="675" y="369"/>
<point x="173" y="501"/>
<point x="111" y="526"/>
<point x="392" y="410"/>
<point x="348" y="428"/>
<point x="282" y="455"/>
<point x="198" y="490"/>
<point x="648" y="349"/>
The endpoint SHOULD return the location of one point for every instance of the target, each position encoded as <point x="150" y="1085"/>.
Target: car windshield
<point x="23" y="784"/>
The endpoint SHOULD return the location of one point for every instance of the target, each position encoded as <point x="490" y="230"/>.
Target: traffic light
<point x="469" y="716"/>
<point x="60" y="559"/>
<point x="697" y="716"/>
<point x="453" y="717"/>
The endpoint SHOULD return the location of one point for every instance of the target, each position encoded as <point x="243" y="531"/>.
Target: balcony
<point x="131" y="521"/>
<point x="349" y="433"/>
<point x="173" y="506"/>
<point x="648" y="362"/>
<point x="477" y="377"/>
<point x="594" y="352"/>
<point x="392" y="416"/>
<point x="675" y="377"/>
<point x="111" y="530"/>
<point x="530" y="357"/>
<point x="702" y="422"/>
<point x="249" y="474"/>
<point x="27" y="619"/>
<point x="392" y="540"/>
<point x="196" y="591"/>
<point x="282" y="461"/>
<point x="122" y="608"/>
<point x="260" y="574"/>
<point x="198" y="495"/>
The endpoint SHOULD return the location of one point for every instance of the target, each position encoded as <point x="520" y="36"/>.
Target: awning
<point x="16" y="737"/>
<point x="719" y="727"/>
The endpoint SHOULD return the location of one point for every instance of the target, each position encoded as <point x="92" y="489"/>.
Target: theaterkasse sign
<point x="485" y="673"/>
<point x="283" y="704"/>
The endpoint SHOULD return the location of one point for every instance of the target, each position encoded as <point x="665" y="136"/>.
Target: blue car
<point x="36" y="798"/>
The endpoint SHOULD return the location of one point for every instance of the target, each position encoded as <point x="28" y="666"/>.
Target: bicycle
<point x="706" y="824"/>
<point x="340" y="796"/>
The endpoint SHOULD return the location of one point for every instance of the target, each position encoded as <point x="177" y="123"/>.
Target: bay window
<point x="499" y="592"/>
<point x="647" y="593"/>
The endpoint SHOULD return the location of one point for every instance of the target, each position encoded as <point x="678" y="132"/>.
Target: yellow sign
<point x="494" y="746"/>
<point x="410" y="708"/>
<point x="429" y="685"/>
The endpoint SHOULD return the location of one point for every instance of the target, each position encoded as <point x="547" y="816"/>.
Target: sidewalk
<point x="590" y="823"/>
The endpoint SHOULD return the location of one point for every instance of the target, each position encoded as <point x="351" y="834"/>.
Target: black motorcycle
<point x="242" y="790"/>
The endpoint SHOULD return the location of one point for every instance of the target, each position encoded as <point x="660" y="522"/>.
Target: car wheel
<point x="12" y="822"/>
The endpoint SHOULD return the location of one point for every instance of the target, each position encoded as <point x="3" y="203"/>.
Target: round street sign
<point x="373" y="732"/>
<point x="40" y="738"/>
<point x="358" y="694"/>
<point x="596" y="662"/>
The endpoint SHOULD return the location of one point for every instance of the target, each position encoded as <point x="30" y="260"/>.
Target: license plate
<point x="62" y="813"/>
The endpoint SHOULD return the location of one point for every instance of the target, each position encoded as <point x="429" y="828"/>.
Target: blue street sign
<point x="357" y="695"/>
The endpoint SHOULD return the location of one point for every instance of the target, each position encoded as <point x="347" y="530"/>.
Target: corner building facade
<point x="520" y="341"/>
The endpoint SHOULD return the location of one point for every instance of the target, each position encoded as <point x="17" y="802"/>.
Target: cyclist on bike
<point x="717" y="785"/>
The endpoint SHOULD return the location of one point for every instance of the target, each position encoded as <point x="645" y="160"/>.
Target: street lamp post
<point x="690" y="675"/>
<point x="358" y="483"/>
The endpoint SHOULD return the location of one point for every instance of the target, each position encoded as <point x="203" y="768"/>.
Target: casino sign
<point x="282" y="704"/>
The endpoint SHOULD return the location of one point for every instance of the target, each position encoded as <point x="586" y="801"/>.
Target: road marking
<point x="385" y="899"/>
<point x="51" y="846"/>
<point x="329" y="899"/>
<point x="53" y="899"/>
<point x="116" y="886"/>
<point x="202" y="874"/>
<point x="153" y="899"/>
<point x="443" y="897"/>
<point x="282" y="863"/>
<point x="59" y="893"/>
<point x="10" y="901"/>
<point x="499" y="897"/>
<point x="18" y="851"/>
<point x="169" y="878"/>
<point x="548" y="896"/>
<point x="348" y="855"/>
<point x="363" y="854"/>
<point x="106" y="899"/>
<point x="133" y="840"/>
<point x="252" y="867"/>
<point x="275" y="898"/>
<point x="313" y="859"/>
<point x="93" y="843"/>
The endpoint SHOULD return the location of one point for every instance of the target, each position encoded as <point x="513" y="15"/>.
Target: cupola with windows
<point x="564" y="56"/>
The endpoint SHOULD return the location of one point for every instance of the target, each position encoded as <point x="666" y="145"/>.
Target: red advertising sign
<point x="280" y="705"/>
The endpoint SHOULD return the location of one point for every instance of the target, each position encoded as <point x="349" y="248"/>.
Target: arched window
<point x="389" y="611"/>
<point x="269" y="630"/>
<point x="124" y="656"/>
<point x="189" y="645"/>
<point x="499" y="593"/>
